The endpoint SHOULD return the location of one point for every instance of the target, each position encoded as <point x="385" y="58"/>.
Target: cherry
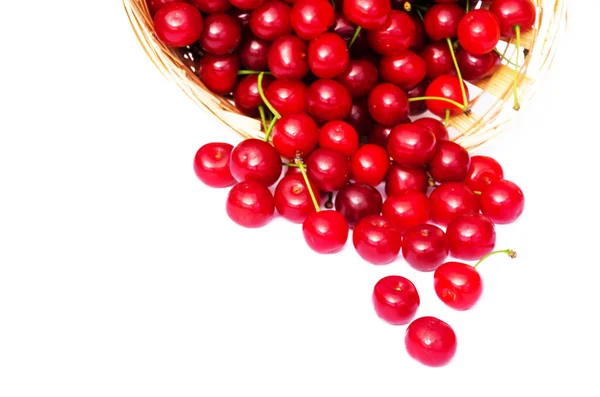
<point x="271" y="20"/>
<point x="411" y="145"/>
<point x="219" y="72"/>
<point x="368" y="14"/>
<point x="246" y="4"/>
<point x="287" y="97"/>
<point x="376" y="240"/>
<point x="430" y="341"/>
<point x="419" y="38"/>
<point x="446" y="86"/>
<point x="359" y="77"/>
<point x="450" y="162"/>
<point x="379" y="135"/>
<point x="483" y="170"/>
<point x="442" y="20"/>
<point x="511" y="13"/>
<point x="311" y="18"/>
<point x="360" y="117"/>
<point x="243" y="17"/>
<point x="339" y="135"/>
<point x="328" y="100"/>
<point x="178" y="24"/>
<point x="388" y="104"/>
<point x="343" y="27"/>
<point x="450" y="200"/>
<point x="295" y="135"/>
<point x="435" y="126"/>
<point x="438" y="58"/>
<point x="356" y="201"/>
<point x="328" y="56"/>
<point x="328" y="169"/>
<point x="502" y="201"/>
<point x="155" y="5"/>
<point x="256" y="160"/>
<point x="246" y="96"/>
<point x="211" y="164"/>
<point x="401" y="180"/>
<point x="417" y="107"/>
<point x="425" y="247"/>
<point x="477" y="67"/>
<point x="292" y="198"/>
<point x="471" y="236"/>
<point x="326" y="232"/>
<point x="250" y="204"/>
<point x="253" y="53"/>
<point x="221" y="35"/>
<point x="212" y="6"/>
<point x="395" y="36"/>
<point x="287" y="58"/>
<point x="406" y="69"/>
<point x="479" y="32"/>
<point x="369" y="165"/>
<point x="407" y="210"/>
<point x="396" y="300"/>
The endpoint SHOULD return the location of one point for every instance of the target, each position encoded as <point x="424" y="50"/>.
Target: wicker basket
<point x="491" y="99"/>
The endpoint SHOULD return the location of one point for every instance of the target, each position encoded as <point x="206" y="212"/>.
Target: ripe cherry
<point x="396" y="300"/>
<point x="451" y="199"/>
<point x="388" y="104"/>
<point x="271" y="20"/>
<point x="407" y="210"/>
<point x="430" y="341"/>
<point x="253" y="53"/>
<point x="360" y="117"/>
<point x="411" y="145"/>
<point x="395" y="36"/>
<point x="419" y="39"/>
<point x="417" y="107"/>
<point x="243" y="17"/>
<point x="471" y="236"/>
<point x="287" y="97"/>
<point x="483" y="170"/>
<point x="287" y="58"/>
<point x="450" y="162"/>
<point x="155" y="5"/>
<point x="212" y="6"/>
<point x="438" y="58"/>
<point x="378" y="135"/>
<point x="435" y="126"/>
<point x="326" y="232"/>
<point x="513" y="13"/>
<point x="406" y="69"/>
<point x="368" y="14"/>
<point x="295" y="134"/>
<point x="477" y="67"/>
<point x="343" y="27"/>
<point x="446" y="86"/>
<point x="256" y="160"/>
<point x="211" y="164"/>
<point x="328" y="56"/>
<point x="219" y="72"/>
<point x="246" y="96"/>
<point x="425" y="247"/>
<point x="442" y="20"/>
<point x="359" y="77"/>
<point x="401" y="180"/>
<point x="328" y="100"/>
<point x="328" y="169"/>
<point x="479" y="32"/>
<point x="292" y="198"/>
<point x="369" y="165"/>
<point x="221" y="35"/>
<point x="339" y="135"/>
<point x="311" y="18"/>
<point x="178" y="24"/>
<point x="250" y="204"/>
<point x="356" y="201"/>
<point x="376" y="240"/>
<point x="502" y="201"/>
<point x="246" y="4"/>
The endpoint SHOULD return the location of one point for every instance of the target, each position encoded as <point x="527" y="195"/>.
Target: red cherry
<point x="376" y="240"/>
<point x="328" y="100"/>
<point x="425" y="247"/>
<point x="219" y="72"/>
<point x="155" y="5"/>
<point x="406" y="69"/>
<point x="419" y="39"/>
<point x="356" y="202"/>
<point x="438" y="58"/>
<point x="295" y="134"/>
<point x="407" y="210"/>
<point x="287" y="97"/>
<point x="221" y="35"/>
<point x="368" y="14"/>
<point x="287" y="58"/>
<point x="442" y="20"/>
<point x="450" y="162"/>
<point x="445" y="86"/>
<point x="271" y="20"/>
<point x="328" y="169"/>
<point x="395" y="36"/>
<point x="502" y="201"/>
<point x="511" y="13"/>
<point x="360" y="117"/>
<point x="451" y="199"/>
<point x="211" y="164"/>
<point x="483" y="170"/>
<point x="328" y="56"/>
<point x="212" y="6"/>
<point x="395" y="300"/>
<point x="430" y="341"/>
<point x="246" y="96"/>
<point x="246" y="4"/>
<point x="256" y="160"/>
<point x="243" y="17"/>
<point x="326" y="232"/>
<point x="250" y="204"/>
<point x="479" y="32"/>
<point x="411" y="145"/>
<point x="339" y="135"/>
<point x="477" y="67"/>
<point x="379" y="135"/>
<point x="435" y="126"/>
<point x="471" y="236"/>
<point x="292" y="198"/>
<point x="359" y="77"/>
<point x="401" y="180"/>
<point x="311" y="18"/>
<point x="178" y="24"/>
<point x="253" y="53"/>
<point x="343" y="27"/>
<point x="388" y="104"/>
<point x="458" y="285"/>
<point x="369" y="165"/>
<point x="417" y="107"/>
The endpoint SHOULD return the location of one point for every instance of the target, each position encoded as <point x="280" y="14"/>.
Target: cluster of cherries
<point x="342" y="89"/>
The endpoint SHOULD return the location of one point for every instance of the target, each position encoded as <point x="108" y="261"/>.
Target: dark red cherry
<point x="368" y="14"/>
<point x="445" y="86"/>
<point x="471" y="236"/>
<point x="253" y="53"/>
<point x="420" y="38"/>
<point x="219" y="72"/>
<point x="405" y="70"/>
<point x="311" y="18"/>
<point x="449" y="163"/>
<point x="246" y="4"/>
<point x="212" y="6"/>
<point x="288" y="97"/>
<point x="292" y="198"/>
<point x="401" y="180"/>
<point x="479" y="32"/>
<point x="356" y="201"/>
<point x="328" y="56"/>
<point x="211" y="164"/>
<point x="254" y="159"/>
<point x="425" y="247"/>
<point x="369" y="165"/>
<point x="451" y="199"/>
<point x="395" y="300"/>
<point x="435" y="126"/>
<point x="411" y="145"/>
<point x="221" y="35"/>
<point x="430" y="341"/>
<point x="250" y="204"/>
<point x="287" y="58"/>
<point x="417" y="107"/>
<point x="359" y="77"/>
<point x="178" y="24"/>
<point x="328" y="100"/>
<point x="441" y="21"/>
<point x="328" y="169"/>
<point x="379" y="135"/>
<point x="295" y="134"/>
<point x="326" y="232"/>
<point x="511" y="13"/>
<point x="339" y="135"/>
<point x="477" y="67"/>
<point x="376" y="240"/>
<point x="388" y="104"/>
<point x="483" y="170"/>
<point x="360" y="117"/>
<point x="502" y="201"/>
<point x="246" y="96"/>
<point x="271" y="20"/>
<point x="438" y="58"/>
<point x="243" y="17"/>
<point x="458" y="285"/>
<point x="395" y="36"/>
<point x="407" y="210"/>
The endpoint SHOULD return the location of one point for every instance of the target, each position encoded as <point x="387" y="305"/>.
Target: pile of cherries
<point x="355" y="97"/>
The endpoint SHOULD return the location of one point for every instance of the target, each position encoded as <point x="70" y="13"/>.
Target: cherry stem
<point x="503" y="57"/>
<point x="436" y="98"/>
<point x="291" y="165"/>
<point x="329" y="203"/>
<point x="356" y="33"/>
<point x="407" y="6"/>
<point x="467" y="6"/>
<point x="515" y="82"/>
<point x="477" y="192"/>
<point x="447" y="118"/>
<point x="333" y="4"/>
<point x="247" y="72"/>
<point x="508" y="252"/>
<point x="420" y="15"/>
<point x="460" y="79"/>
<point x="270" y="129"/>
<point x="276" y="114"/>
<point x="261" y="110"/>
<point x="308" y="186"/>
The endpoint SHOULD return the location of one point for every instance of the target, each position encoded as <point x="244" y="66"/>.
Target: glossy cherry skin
<point x="292" y="198"/>
<point x="479" y="32"/>
<point x="483" y="170"/>
<point x="212" y="6"/>
<point x="243" y="17"/>
<point x="211" y="164"/>
<point x="360" y="117"/>
<point x="417" y="107"/>
<point x="250" y="204"/>
<point x="430" y="341"/>
<point x="311" y="18"/>
<point x="178" y="24"/>
<point x="328" y="56"/>
<point x="438" y="59"/>
<point x="477" y="67"/>
<point x="356" y="201"/>
<point x="368" y="14"/>
<point x="155" y="5"/>
<point x="295" y="134"/>
<point x="420" y="39"/>
<point x="425" y="247"/>
<point x="219" y="72"/>
<point x="256" y="160"/>
<point x="339" y="135"/>
<point x="288" y="97"/>
<point x="407" y="210"/>
<point x="513" y="12"/>
<point x="287" y="58"/>
<point x="458" y="285"/>
<point x="395" y="36"/>
<point x="246" y="4"/>
<point x="471" y="236"/>
<point x="246" y="96"/>
<point x="271" y="20"/>
<point x="442" y="20"/>
<point x="406" y="69"/>
<point x="221" y="35"/>
<point x="396" y="300"/>
<point x="253" y="53"/>
<point x="451" y="199"/>
<point x="411" y="145"/>
<point x="359" y="77"/>
<point x="379" y="135"/>
<point x="445" y="86"/>
<point x="326" y="232"/>
<point x="450" y="163"/>
<point x="388" y="104"/>
<point x="435" y="126"/>
<point x="502" y="201"/>
<point x="343" y="27"/>
<point x="328" y="100"/>
<point x="401" y="180"/>
<point x="369" y="165"/>
<point x="376" y="240"/>
<point x="328" y="169"/>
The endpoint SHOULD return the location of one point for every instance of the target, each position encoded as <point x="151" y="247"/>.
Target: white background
<point x="121" y="275"/>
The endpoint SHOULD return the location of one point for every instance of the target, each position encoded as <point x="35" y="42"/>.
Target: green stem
<point x="503" y="57"/>
<point x="515" y="82"/>
<point x="420" y="14"/>
<point x="247" y="72"/>
<point x="308" y="186"/>
<point x="467" y="6"/>
<point x="356" y="33"/>
<point x="264" y="98"/>
<point x="270" y="129"/>
<point x="261" y="110"/>
<point x="447" y="118"/>
<point x="333" y="4"/>
<point x="460" y="79"/>
<point x="508" y="252"/>
<point x="291" y="165"/>
<point x="435" y="98"/>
